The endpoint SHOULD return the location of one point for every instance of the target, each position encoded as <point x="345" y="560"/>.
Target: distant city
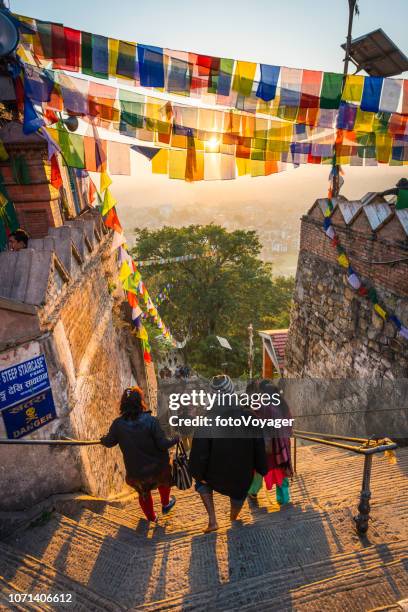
<point x="278" y="236"/>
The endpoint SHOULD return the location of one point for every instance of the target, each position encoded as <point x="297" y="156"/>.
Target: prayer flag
<point x="160" y="162"/>
<point x="353" y="88"/>
<point x="100" y="56"/>
<point x="268" y="82"/>
<point x="225" y="76"/>
<point x="310" y="88"/>
<point x="390" y="96"/>
<point x="119" y="158"/>
<point x="244" y="77"/>
<point x="32" y="121"/>
<point x="291" y="82"/>
<point x="371" y="94"/>
<point x="380" y="311"/>
<point x="331" y="90"/>
<point x="124" y="271"/>
<point x="106" y="181"/>
<point x="343" y="260"/>
<point x="126" y="62"/>
<point x="150" y="66"/>
<point x="56" y="179"/>
<point x="179" y="77"/>
<point x="108" y="202"/>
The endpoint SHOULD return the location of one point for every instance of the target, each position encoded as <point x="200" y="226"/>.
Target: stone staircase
<point x="305" y="556"/>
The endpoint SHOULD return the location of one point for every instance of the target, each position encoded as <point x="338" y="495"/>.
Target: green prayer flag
<point x="72" y="148"/>
<point x="402" y="199"/>
<point x="372" y="295"/>
<point x="331" y="90"/>
<point x="86" y="51"/>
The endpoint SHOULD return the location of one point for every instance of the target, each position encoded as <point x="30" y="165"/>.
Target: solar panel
<point x="377" y="54"/>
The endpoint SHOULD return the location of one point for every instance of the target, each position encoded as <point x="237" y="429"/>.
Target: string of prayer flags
<point x="356" y="283"/>
<point x="233" y="82"/>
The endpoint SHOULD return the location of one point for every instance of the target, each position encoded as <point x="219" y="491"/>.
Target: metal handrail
<point x="67" y="442"/>
<point x="367" y="447"/>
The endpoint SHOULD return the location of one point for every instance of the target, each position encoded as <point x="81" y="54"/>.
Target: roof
<point x="278" y="338"/>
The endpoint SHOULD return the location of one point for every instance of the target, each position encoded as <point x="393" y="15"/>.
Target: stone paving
<point x="305" y="556"/>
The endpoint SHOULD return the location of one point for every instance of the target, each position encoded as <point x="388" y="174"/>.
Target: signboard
<point x="26" y="400"/>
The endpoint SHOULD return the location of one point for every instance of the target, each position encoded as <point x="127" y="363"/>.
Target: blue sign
<point x="23" y="380"/>
<point x="26" y="400"/>
<point x="31" y="414"/>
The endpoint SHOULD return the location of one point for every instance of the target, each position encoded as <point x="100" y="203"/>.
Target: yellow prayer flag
<point x="160" y="162"/>
<point x="353" y="88"/>
<point x="244" y="77"/>
<point x="364" y="121"/>
<point x="106" y="181"/>
<point x="343" y="260"/>
<point x="124" y="271"/>
<point x="113" y="47"/>
<point x="383" y="144"/>
<point x="243" y="166"/>
<point x="177" y="164"/>
<point x="108" y="202"/>
<point x="380" y="311"/>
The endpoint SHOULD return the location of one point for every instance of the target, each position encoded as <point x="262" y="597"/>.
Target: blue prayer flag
<point x="371" y="94"/>
<point x="150" y="66"/>
<point x="268" y="83"/>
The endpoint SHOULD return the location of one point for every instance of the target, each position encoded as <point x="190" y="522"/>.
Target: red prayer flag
<point x="56" y="178"/>
<point x="72" y="49"/>
<point x="91" y="191"/>
<point x="132" y="299"/>
<point x="58" y="46"/>
<point x="112" y="220"/>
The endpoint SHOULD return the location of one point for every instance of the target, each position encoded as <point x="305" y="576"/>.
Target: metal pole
<point x="294" y="454"/>
<point x="352" y="10"/>
<point x="251" y="349"/>
<point x="363" y="516"/>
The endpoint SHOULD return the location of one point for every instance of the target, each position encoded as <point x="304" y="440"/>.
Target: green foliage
<point x="216" y="295"/>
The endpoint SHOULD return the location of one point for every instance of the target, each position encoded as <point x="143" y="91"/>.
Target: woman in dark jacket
<point x="226" y="464"/>
<point x="145" y="451"/>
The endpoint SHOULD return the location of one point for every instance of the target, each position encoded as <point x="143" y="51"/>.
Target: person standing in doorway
<point x="145" y="451"/>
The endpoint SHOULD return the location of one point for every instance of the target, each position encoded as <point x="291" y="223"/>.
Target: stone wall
<point x="335" y="333"/>
<point x="91" y="356"/>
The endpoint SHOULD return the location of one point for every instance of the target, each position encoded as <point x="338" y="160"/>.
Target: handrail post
<point x="294" y="454"/>
<point x="363" y="516"/>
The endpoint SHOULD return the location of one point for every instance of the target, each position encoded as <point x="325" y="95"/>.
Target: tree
<point x="219" y="293"/>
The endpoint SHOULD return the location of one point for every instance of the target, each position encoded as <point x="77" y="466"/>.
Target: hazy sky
<point x="298" y="33"/>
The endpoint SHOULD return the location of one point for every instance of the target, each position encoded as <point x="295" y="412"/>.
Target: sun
<point x="212" y="144"/>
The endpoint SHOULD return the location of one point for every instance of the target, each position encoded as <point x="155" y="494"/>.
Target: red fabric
<point x="275" y="476"/>
<point x="72" y="49"/>
<point x="146" y="504"/>
<point x="132" y="299"/>
<point x="91" y="191"/>
<point x="146" y="357"/>
<point x="56" y="178"/>
<point x="164" y="493"/>
<point x="50" y="116"/>
<point x="58" y="46"/>
<point x="112" y="221"/>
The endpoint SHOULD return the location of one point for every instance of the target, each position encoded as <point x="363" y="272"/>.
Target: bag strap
<point x="180" y="450"/>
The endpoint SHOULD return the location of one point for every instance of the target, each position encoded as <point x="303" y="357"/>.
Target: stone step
<point x="328" y="578"/>
<point x="106" y="556"/>
<point x="24" y="573"/>
<point x="356" y="591"/>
